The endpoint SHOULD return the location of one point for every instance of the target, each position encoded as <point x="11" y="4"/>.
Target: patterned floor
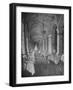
<point x="44" y="69"/>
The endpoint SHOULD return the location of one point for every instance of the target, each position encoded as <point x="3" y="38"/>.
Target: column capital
<point x="49" y="35"/>
<point x="57" y="30"/>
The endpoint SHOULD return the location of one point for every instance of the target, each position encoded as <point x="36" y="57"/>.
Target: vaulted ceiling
<point x="41" y="25"/>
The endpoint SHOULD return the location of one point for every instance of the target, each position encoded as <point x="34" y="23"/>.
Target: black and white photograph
<point x="42" y="44"/>
<point x="40" y="40"/>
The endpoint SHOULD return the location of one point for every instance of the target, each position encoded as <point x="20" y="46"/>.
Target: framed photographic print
<point x="40" y="44"/>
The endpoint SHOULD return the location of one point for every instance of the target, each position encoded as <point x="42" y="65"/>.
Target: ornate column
<point x="43" y="44"/>
<point x="57" y="41"/>
<point x="49" y="44"/>
<point x="22" y="40"/>
<point x="46" y="45"/>
<point x="27" y="45"/>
